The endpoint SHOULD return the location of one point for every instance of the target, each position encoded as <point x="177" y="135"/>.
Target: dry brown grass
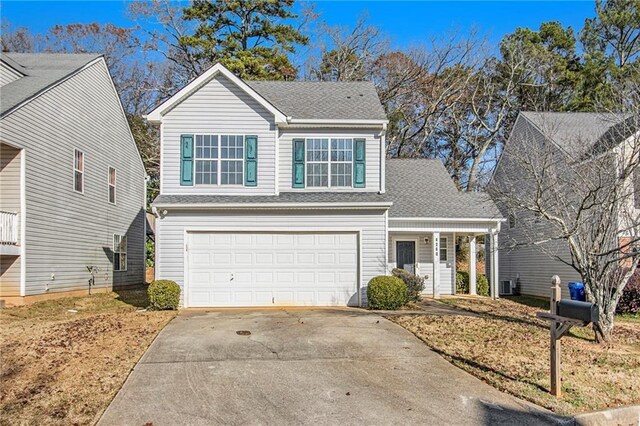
<point x="58" y="367"/>
<point x="507" y="347"/>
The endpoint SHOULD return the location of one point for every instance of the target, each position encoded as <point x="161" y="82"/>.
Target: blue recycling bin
<point x="576" y="291"/>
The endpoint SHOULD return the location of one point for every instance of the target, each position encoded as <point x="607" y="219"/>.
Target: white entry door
<point x="271" y="269"/>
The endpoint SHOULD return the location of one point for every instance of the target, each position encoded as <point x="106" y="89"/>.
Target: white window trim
<point x="219" y="160"/>
<point x="109" y="185"/>
<point x="443" y="245"/>
<point x="126" y="249"/>
<point x="73" y="180"/>
<point x="329" y="161"/>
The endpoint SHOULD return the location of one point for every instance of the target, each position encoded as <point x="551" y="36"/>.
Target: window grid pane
<point x="119" y="252"/>
<point x="78" y="171"/>
<point x="231" y="172"/>
<point x="341" y="162"/>
<point x="206" y="155"/>
<point x="341" y="174"/>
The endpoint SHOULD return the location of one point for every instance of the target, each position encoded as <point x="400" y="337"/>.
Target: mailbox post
<point x="563" y="315"/>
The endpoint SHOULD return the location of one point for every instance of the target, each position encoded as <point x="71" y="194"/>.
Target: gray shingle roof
<point x="417" y="188"/>
<point x="42" y="70"/>
<point x="423" y="188"/>
<point x="578" y="132"/>
<point x="357" y="100"/>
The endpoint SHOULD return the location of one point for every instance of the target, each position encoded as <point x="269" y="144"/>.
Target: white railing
<point x="8" y="228"/>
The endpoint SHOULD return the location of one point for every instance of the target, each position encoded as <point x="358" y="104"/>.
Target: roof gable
<point x="41" y="72"/>
<point x="155" y="116"/>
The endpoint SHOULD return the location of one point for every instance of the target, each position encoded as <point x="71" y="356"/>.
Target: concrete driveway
<point x="303" y="366"/>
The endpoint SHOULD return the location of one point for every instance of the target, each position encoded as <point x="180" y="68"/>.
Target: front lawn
<point x="507" y="347"/>
<point x="62" y="367"/>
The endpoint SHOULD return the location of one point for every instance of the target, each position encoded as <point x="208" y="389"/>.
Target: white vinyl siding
<point x="8" y="74"/>
<point x="171" y="231"/>
<point x="372" y="157"/>
<point x="66" y="233"/>
<point x="219" y="107"/>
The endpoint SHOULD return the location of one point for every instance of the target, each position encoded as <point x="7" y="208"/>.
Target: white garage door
<point x="272" y="269"/>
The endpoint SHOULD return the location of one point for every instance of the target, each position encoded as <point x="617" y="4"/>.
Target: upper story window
<point x="112" y="185"/>
<point x="78" y="171"/>
<point x="219" y="159"/>
<point x="326" y="156"/>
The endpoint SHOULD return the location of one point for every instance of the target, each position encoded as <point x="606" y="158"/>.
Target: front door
<point x="406" y="255"/>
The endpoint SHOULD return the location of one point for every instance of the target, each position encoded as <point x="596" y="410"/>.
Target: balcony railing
<point x="8" y="228"/>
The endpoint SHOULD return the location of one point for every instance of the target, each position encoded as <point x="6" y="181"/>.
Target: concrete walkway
<point x="307" y="366"/>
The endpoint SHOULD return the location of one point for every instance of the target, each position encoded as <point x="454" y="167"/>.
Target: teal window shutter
<point x="359" y="167"/>
<point x="298" y="163"/>
<point x="251" y="161"/>
<point x="186" y="160"/>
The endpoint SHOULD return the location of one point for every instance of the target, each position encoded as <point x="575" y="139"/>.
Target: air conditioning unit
<point x="506" y="288"/>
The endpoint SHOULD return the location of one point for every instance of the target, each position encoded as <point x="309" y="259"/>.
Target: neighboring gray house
<point x="72" y="181"/>
<point x="572" y="135"/>
<point x="278" y="193"/>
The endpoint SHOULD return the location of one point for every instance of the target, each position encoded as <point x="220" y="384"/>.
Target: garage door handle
<point x="232" y="277"/>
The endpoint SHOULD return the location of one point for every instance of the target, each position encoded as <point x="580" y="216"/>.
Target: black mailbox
<point x="582" y="311"/>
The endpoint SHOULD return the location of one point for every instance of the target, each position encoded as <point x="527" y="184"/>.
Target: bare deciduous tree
<point x="571" y="192"/>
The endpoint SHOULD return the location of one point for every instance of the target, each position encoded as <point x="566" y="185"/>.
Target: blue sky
<point x="406" y="22"/>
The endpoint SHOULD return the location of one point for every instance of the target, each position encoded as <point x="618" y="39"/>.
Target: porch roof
<point x="422" y="188"/>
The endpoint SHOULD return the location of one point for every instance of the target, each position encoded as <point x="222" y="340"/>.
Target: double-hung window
<point x="119" y="252"/>
<point x="78" y="170"/>
<point x="112" y="185"/>
<point x="329" y="162"/>
<point x="219" y="159"/>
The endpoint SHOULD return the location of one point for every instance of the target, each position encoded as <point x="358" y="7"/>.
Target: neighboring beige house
<point x="72" y="182"/>
<point x="571" y="134"/>
<point x="279" y="193"/>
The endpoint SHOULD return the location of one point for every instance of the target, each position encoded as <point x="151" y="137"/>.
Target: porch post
<point x="494" y="266"/>
<point x="472" y="265"/>
<point x="435" y="279"/>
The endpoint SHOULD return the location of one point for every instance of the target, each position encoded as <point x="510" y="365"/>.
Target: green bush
<point x="163" y="295"/>
<point x="415" y="283"/>
<point x="482" y="285"/>
<point x="384" y="292"/>
<point x="462" y="282"/>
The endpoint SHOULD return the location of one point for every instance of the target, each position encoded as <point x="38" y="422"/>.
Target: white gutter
<point x="447" y="219"/>
<point x="220" y="206"/>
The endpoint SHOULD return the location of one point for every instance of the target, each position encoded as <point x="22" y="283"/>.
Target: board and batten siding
<point x="425" y="260"/>
<point x="8" y="74"/>
<point x="170" y="244"/>
<point x="218" y="107"/>
<point x="67" y="231"/>
<point x="372" y="157"/>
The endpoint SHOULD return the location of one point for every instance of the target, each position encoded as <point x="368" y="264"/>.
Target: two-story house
<point x="276" y="193"/>
<point x="527" y="260"/>
<point x="72" y="183"/>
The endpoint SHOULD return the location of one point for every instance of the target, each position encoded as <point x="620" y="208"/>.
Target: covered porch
<point x="427" y="247"/>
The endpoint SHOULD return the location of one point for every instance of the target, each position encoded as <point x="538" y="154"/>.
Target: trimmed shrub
<point x="482" y="285"/>
<point x="415" y="283"/>
<point x="629" y="302"/>
<point x="462" y="282"/>
<point x="163" y="295"/>
<point x="385" y="292"/>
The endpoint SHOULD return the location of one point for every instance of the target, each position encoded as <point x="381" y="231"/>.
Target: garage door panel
<point x="267" y="269"/>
